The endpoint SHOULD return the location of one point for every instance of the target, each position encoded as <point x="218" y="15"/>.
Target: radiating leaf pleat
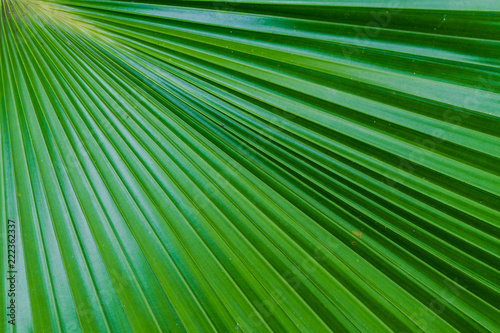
<point x="251" y="165"/>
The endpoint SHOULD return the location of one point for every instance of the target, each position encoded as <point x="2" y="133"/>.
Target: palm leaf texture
<point x="271" y="165"/>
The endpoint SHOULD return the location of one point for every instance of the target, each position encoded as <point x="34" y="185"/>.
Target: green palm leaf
<point x="272" y="165"/>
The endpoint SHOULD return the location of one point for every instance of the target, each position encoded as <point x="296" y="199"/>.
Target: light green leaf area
<point x="251" y="166"/>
